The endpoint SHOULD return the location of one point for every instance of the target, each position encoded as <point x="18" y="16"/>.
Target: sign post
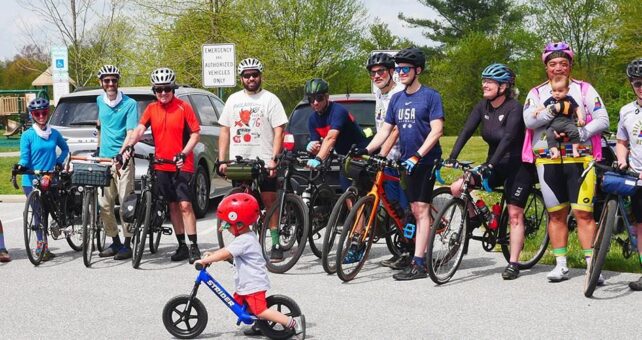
<point x="59" y="72"/>
<point x="219" y="65"/>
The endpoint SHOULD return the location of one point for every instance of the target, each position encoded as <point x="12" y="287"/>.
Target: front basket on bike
<point x="91" y="174"/>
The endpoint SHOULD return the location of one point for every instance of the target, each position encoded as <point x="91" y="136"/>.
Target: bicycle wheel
<point x="446" y="241"/>
<point x="34" y="230"/>
<point x="156" y="230"/>
<point x="601" y="245"/>
<point x="73" y="217"/>
<point x="320" y="209"/>
<point x="88" y="226"/>
<point x="535" y="231"/>
<point x="141" y="229"/>
<point x="101" y="236"/>
<point x="354" y="246"/>
<point x="293" y="227"/>
<point x="284" y="305"/>
<point x="335" y="224"/>
<point x="183" y="318"/>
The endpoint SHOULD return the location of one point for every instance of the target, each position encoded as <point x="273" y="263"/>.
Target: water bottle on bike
<point x="484" y="211"/>
<point x="496" y="213"/>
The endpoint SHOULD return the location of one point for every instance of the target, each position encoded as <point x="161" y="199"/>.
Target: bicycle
<point x="88" y="177"/>
<point x="53" y="194"/>
<point x="362" y="220"/>
<point x="151" y="211"/>
<point x="615" y="203"/>
<point x="452" y="230"/>
<point x="180" y="311"/>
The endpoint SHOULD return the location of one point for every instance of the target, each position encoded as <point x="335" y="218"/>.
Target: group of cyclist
<point x="524" y="146"/>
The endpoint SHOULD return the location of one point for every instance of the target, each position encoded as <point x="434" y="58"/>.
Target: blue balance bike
<point x="185" y="316"/>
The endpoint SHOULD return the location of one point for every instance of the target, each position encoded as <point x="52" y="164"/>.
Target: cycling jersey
<point x="381" y="107"/>
<point x="412" y="114"/>
<point x="114" y="124"/>
<point x="37" y="153"/>
<point x="337" y="117"/>
<point x="172" y="124"/>
<point x="629" y="129"/>
<point x="502" y="128"/>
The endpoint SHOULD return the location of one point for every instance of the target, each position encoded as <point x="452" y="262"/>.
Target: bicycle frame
<point x="240" y="310"/>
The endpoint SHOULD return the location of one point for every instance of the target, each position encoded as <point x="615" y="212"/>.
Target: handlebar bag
<point x="619" y="184"/>
<point x="242" y="172"/>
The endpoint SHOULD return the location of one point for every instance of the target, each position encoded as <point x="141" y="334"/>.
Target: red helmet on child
<point x="240" y="210"/>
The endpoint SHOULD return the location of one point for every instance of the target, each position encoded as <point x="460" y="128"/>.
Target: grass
<point x="476" y="150"/>
<point x="6" y="188"/>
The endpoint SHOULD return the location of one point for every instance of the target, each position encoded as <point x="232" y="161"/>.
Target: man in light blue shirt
<point x="117" y="118"/>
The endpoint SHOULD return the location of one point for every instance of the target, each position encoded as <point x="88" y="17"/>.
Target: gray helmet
<point x="163" y="76"/>
<point x="108" y="70"/>
<point x="38" y="104"/>
<point x="634" y="70"/>
<point x="413" y="56"/>
<point x="383" y="59"/>
<point x="315" y="86"/>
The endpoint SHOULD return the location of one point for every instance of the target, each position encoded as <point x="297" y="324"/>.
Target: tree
<point x="19" y="72"/>
<point x="462" y="17"/>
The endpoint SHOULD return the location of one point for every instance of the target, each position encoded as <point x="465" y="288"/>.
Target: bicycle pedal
<point x="167" y="231"/>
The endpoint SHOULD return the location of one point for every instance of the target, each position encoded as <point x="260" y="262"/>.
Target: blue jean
<point x="394" y="191"/>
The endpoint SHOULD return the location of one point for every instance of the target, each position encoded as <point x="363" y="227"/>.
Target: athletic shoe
<point x="511" y="272"/>
<point x="402" y="263"/>
<point x="182" y="253"/>
<point x="124" y="253"/>
<point x="354" y="254"/>
<point x="413" y="272"/>
<point x="4" y="256"/>
<point x="276" y="254"/>
<point x="558" y="274"/>
<point x="252" y="331"/>
<point x="194" y="253"/>
<point x="390" y="261"/>
<point x="636" y="285"/>
<point x="111" y="250"/>
<point x="48" y="255"/>
<point x="601" y="280"/>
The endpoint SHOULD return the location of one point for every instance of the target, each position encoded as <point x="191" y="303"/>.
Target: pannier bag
<point x="97" y="175"/>
<point x="128" y="208"/>
<point x="619" y="184"/>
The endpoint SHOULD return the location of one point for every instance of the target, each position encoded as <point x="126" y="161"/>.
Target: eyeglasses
<point x="39" y="113"/>
<point x="319" y="97"/>
<point x="404" y="69"/>
<point x="110" y="80"/>
<point x="637" y="84"/>
<point x="250" y="75"/>
<point x="378" y="72"/>
<point x="161" y="89"/>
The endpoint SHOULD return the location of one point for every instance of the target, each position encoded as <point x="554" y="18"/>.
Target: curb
<point x="12" y="198"/>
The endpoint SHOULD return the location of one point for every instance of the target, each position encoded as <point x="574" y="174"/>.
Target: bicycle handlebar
<point x="199" y="266"/>
<point x="14" y="173"/>
<point x="465" y="166"/>
<point x="602" y="167"/>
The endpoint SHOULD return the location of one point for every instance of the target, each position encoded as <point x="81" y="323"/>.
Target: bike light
<point x="45" y="182"/>
<point x="288" y="142"/>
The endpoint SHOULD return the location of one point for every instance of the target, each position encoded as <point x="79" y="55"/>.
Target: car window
<point x="205" y="109"/>
<point x="79" y="111"/>
<point x="363" y="112"/>
<point x="299" y="119"/>
<point x="218" y="104"/>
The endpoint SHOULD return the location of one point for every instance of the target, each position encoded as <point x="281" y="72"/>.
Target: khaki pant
<point x="122" y="187"/>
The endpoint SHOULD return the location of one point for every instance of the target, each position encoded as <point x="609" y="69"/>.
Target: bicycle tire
<point x="175" y="311"/>
<point x="320" y="209"/>
<point x="31" y="232"/>
<point x="362" y="209"/>
<point x="293" y="228"/>
<point x="74" y="221"/>
<point x="601" y="245"/>
<point x="156" y="230"/>
<point x="284" y="305"/>
<point x="335" y="223"/>
<point x="535" y="231"/>
<point x="143" y="220"/>
<point x="101" y="236"/>
<point x="88" y="227"/>
<point x="447" y="241"/>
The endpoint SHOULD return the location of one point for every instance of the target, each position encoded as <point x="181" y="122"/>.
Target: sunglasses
<point x="110" y="80"/>
<point x="637" y="83"/>
<point x="39" y="113"/>
<point x="161" y="89"/>
<point x="318" y="97"/>
<point x="250" y="75"/>
<point x="404" y="69"/>
<point x="380" y="72"/>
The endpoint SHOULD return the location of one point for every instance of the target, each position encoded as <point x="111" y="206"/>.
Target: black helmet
<point x="383" y="59"/>
<point x="316" y="85"/>
<point x="411" y="55"/>
<point x="634" y="70"/>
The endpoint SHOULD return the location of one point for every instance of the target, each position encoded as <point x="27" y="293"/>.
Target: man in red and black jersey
<point x="176" y="131"/>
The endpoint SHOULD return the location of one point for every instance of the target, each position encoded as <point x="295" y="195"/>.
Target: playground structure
<point x="14" y="116"/>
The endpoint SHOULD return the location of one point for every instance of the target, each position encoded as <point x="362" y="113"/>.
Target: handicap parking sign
<point x="60" y="63"/>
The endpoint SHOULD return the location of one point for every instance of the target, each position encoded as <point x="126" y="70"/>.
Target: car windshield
<point x="78" y="111"/>
<point x="363" y="112"/>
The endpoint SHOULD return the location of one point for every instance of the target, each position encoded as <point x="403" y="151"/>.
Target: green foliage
<point x="6" y="188"/>
<point x="19" y="72"/>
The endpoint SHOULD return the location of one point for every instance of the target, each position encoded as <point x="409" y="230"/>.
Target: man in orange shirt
<point x="176" y="131"/>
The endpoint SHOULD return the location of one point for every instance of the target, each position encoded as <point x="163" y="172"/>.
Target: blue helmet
<point x="38" y="104"/>
<point x="499" y="73"/>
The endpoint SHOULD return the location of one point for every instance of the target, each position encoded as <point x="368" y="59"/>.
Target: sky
<point x="14" y="17"/>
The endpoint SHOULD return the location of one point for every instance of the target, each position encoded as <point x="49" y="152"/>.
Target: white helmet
<point x="250" y="64"/>
<point x="108" y="70"/>
<point x="162" y="76"/>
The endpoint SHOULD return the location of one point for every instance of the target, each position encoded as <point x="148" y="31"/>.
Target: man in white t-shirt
<point x="252" y="126"/>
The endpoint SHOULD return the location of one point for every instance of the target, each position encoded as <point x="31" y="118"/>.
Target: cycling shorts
<point x="174" y="189"/>
<point x="255" y="301"/>
<point x="419" y="185"/>
<point x="517" y="181"/>
<point x="268" y="184"/>
<point x="560" y="183"/>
